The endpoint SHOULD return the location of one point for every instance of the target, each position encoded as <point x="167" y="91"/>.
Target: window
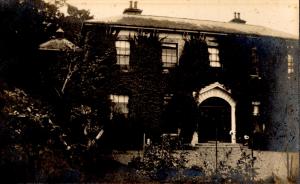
<point x="169" y="55"/>
<point x="119" y="104"/>
<point x="256" y="105"/>
<point x="255" y="61"/>
<point x="290" y="62"/>
<point x="167" y="98"/>
<point x="123" y="54"/>
<point x="214" y="57"/>
<point x="254" y="56"/>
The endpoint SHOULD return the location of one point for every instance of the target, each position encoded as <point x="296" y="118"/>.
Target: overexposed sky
<point x="281" y="15"/>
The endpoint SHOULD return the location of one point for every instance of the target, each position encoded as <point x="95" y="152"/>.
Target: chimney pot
<point x="135" y="4"/>
<point x="237" y="18"/>
<point x="132" y="10"/>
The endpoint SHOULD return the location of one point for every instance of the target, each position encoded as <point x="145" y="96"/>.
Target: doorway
<point x="215" y="120"/>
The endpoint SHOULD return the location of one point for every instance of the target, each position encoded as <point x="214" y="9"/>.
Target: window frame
<point x="290" y="65"/>
<point x="254" y="71"/>
<point x="169" y="60"/>
<point x="212" y="61"/>
<point x="125" y="54"/>
<point x="119" y="103"/>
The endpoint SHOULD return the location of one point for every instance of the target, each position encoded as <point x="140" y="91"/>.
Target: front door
<point x="214" y="122"/>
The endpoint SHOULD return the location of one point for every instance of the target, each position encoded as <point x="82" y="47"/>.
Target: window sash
<point x="214" y="59"/>
<point x="120" y="103"/>
<point x="123" y="54"/>
<point x="169" y="55"/>
<point x="290" y="62"/>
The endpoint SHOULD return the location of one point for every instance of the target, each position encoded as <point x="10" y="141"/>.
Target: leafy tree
<point x="147" y="87"/>
<point x="193" y="63"/>
<point x="90" y="86"/>
<point x="25" y="24"/>
<point x="73" y="23"/>
<point x="27" y="131"/>
<point x="34" y="140"/>
<point x="182" y="112"/>
<point x="190" y="75"/>
<point x="159" y="162"/>
<point x="99" y="63"/>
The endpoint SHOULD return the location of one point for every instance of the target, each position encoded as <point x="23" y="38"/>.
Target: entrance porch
<point x="217" y="115"/>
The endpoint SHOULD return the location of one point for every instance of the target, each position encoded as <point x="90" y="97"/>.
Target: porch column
<point x="233" y="125"/>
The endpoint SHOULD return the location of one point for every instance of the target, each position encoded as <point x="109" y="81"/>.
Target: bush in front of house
<point x="161" y="163"/>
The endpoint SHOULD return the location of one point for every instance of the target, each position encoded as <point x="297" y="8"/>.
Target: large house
<point x="201" y="80"/>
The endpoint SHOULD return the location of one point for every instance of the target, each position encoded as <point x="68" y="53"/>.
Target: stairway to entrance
<point x="219" y="144"/>
<point x="209" y="155"/>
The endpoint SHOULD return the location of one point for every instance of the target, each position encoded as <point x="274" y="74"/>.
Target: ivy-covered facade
<point x="156" y="75"/>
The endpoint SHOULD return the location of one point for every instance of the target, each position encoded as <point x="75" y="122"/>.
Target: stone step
<point x="220" y="144"/>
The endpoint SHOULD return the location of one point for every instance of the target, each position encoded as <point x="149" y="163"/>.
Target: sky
<point x="282" y="15"/>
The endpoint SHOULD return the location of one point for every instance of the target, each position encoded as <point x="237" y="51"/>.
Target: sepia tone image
<point x="161" y="91"/>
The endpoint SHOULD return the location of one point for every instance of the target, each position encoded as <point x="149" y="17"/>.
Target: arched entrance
<point x="214" y="120"/>
<point x="215" y="91"/>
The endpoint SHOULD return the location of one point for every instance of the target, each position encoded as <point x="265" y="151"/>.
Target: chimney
<point x="135" y="4"/>
<point x="237" y="18"/>
<point x="132" y="10"/>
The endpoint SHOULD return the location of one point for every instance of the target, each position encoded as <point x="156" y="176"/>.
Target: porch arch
<point x="219" y="91"/>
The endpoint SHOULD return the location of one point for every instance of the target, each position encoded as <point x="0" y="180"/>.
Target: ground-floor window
<point x="119" y="104"/>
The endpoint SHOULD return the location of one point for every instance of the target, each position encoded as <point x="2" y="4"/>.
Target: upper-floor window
<point x="169" y="55"/>
<point x="214" y="60"/>
<point x="123" y="54"/>
<point x="119" y="104"/>
<point x="254" y="70"/>
<point x="290" y="62"/>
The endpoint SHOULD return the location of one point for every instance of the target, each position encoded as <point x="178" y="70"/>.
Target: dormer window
<point x="214" y="60"/>
<point x="123" y="54"/>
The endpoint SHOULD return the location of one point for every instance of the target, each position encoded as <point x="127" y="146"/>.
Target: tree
<point x="193" y="63"/>
<point x="33" y="139"/>
<point x="73" y="23"/>
<point x="27" y="133"/>
<point x="147" y="93"/>
<point x="190" y="75"/>
<point x="25" y="24"/>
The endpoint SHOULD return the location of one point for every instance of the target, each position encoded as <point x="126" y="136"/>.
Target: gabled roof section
<point x="214" y="90"/>
<point x="215" y="85"/>
<point x="60" y="44"/>
<point x="184" y="24"/>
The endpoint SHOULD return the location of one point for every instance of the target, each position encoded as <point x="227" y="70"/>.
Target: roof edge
<point x="114" y="20"/>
